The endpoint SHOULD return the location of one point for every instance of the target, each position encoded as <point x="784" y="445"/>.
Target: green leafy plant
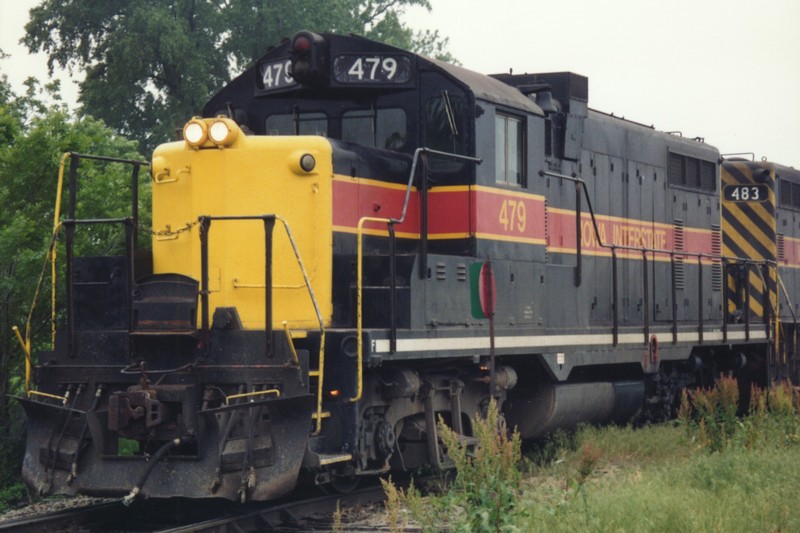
<point x="716" y="409"/>
<point x="488" y="474"/>
<point x="711" y="421"/>
<point x="11" y="495"/>
<point x="484" y="494"/>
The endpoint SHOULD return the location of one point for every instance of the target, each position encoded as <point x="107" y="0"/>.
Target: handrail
<point x="769" y="307"/>
<point x="417" y="152"/>
<point x="290" y="341"/>
<point x="51" y="254"/>
<point x="791" y="310"/>
<point x="269" y="221"/>
<point x="360" y="255"/>
<point x="228" y="399"/>
<point x="360" y="301"/>
<point x="320" y="379"/>
<point x="26" y="347"/>
<point x="26" y="341"/>
<point x="646" y="250"/>
<point x="663" y="251"/>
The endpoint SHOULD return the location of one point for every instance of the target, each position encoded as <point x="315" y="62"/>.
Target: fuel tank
<point x="564" y="406"/>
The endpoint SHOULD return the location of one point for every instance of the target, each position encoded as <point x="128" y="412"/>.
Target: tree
<point x="151" y="64"/>
<point x="33" y="135"/>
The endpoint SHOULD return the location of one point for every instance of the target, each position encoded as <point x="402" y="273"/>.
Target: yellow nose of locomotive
<point x="219" y="172"/>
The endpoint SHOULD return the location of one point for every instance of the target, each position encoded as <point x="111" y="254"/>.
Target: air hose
<point x="137" y="488"/>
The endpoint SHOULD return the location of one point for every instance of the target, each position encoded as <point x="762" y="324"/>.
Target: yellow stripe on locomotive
<point x="235" y="175"/>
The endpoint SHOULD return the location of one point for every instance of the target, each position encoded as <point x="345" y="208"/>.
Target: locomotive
<point x="353" y="242"/>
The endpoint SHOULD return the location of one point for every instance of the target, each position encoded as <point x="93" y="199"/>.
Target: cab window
<point x="297" y="124"/>
<point x="444" y="124"/>
<point x="381" y="128"/>
<point x="509" y="150"/>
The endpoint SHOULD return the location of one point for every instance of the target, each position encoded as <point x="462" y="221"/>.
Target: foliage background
<point x="35" y="129"/>
<point x="151" y="64"/>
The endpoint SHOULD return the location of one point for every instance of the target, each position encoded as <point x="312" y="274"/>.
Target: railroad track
<point x="300" y="513"/>
<point x="85" y="518"/>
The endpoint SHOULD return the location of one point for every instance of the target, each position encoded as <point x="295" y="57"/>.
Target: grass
<point x="708" y="471"/>
<point x="651" y="480"/>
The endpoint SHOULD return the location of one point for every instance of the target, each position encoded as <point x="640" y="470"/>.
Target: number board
<point x="372" y="69"/>
<point x="746" y="193"/>
<point x="275" y="74"/>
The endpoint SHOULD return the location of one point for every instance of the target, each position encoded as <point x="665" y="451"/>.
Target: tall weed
<point x="488" y="475"/>
<point x="784" y="408"/>
<point x="393" y="503"/>
<point x="486" y="488"/>
<point x="716" y="410"/>
<point x="710" y="416"/>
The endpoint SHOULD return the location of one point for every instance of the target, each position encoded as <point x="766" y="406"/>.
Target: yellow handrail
<point x="26" y="347"/>
<point x="359" y="301"/>
<point x="26" y="341"/>
<point x="53" y="396"/>
<point x="289" y="339"/>
<point x="56" y="228"/>
<point x="359" y="251"/>
<point x="320" y="379"/>
<point x="228" y="399"/>
<point x="50" y="256"/>
<point x="307" y="282"/>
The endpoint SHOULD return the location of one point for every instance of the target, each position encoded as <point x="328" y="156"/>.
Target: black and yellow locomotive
<point x="354" y="240"/>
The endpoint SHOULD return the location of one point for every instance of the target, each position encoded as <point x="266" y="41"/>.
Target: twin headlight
<point x="222" y="132"/>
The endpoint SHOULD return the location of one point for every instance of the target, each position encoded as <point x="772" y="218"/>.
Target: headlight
<point x="223" y="131"/>
<point x="195" y="133"/>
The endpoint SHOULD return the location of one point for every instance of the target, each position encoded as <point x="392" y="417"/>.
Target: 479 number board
<point x="372" y="69"/>
<point x="350" y="69"/>
<point x="276" y="74"/>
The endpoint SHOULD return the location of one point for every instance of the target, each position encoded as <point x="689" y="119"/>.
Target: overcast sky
<point x="725" y="70"/>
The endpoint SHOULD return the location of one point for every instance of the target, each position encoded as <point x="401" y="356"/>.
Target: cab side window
<point x="446" y="131"/>
<point x="509" y="145"/>
<point x="444" y="124"/>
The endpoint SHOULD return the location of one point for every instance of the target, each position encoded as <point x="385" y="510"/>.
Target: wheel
<point x="345" y="484"/>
